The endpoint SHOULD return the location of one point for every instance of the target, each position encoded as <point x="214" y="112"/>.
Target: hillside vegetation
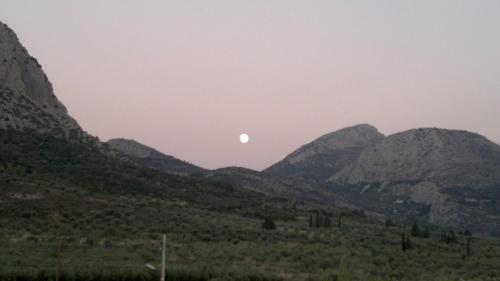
<point x="70" y="211"/>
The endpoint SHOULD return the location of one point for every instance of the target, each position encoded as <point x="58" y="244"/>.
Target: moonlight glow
<point x="244" y="138"/>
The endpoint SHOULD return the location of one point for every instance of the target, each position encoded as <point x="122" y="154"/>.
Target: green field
<point x="120" y="237"/>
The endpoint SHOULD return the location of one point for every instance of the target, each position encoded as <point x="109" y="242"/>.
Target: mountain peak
<point x="358" y="135"/>
<point x="328" y="154"/>
<point x="27" y="100"/>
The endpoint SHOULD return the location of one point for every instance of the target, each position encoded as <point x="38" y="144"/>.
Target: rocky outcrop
<point x="328" y="154"/>
<point x="27" y="100"/>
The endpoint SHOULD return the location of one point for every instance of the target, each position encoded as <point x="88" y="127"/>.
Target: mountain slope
<point x="328" y="154"/>
<point x="152" y="158"/>
<point x="445" y="176"/>
<point x="28" y="158"/>
<point x="27" y="99"/>
<point x="278" y="186"/>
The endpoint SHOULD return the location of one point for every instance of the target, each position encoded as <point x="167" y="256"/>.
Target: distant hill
<point x="327" y="155"/>
<point x="279" y="186"/>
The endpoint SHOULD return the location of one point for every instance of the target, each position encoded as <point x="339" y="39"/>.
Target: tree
<point x="408" y="243"/>
<point x="444" y="237"/>
<point x="403" y="242"/>
<point x="389" y="223"/>
<point x="451" y="237"/>
<point x="426" y="233"/>
<point x="268" y="224"/>
<point x="341" y="218"/>
<point x="448" y="237"/>
<point x="469" y="253"/>
<point x="415" y="230"/>
<point x="328" y="220"/>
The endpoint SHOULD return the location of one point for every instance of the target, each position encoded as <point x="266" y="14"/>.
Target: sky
<point x="188" y="77"/>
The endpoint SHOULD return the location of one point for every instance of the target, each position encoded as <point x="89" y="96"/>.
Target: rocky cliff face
<point x="27" y="100"/>
<point x="448" y="177"/>
<point x="446" y="157"/>
<point x="328" y="154"/>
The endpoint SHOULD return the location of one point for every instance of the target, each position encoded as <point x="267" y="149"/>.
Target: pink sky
<point x="187" y="77"/>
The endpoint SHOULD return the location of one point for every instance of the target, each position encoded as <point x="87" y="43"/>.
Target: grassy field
<point x="118" y="236"/>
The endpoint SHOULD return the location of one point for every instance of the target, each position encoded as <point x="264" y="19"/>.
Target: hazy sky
<point x="187" y="77"/>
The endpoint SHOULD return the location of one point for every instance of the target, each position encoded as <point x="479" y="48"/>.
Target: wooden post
<point x="163" y="257"/>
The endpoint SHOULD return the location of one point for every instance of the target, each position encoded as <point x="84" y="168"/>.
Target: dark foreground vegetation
<point x="68" y="211"/>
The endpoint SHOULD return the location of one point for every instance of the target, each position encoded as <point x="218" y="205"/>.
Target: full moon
<point x="244" y="138"/>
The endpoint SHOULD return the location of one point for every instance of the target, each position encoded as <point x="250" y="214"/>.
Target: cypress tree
<point x="452" y="238"/>
<point x="323" y="219"/>
<point x="426" y="233"/>
<point x="389" y="223"/>
<point x="403" y="241"/>
<point x="468" y="246"/>
<point x="328" y="221"/>
<point x="444" y="237"/>
<point x="310" y="219"/>
<point x="415" y="230"/>
<point x="408" y="242"/>
<point x="318" y="223"/>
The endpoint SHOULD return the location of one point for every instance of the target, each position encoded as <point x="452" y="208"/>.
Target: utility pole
<point x="163" y="257"/>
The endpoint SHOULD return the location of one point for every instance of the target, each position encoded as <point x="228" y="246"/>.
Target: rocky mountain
<point x="152" y="158"/>
<point x="448" y="177"/>
<point x="27" y="100"/>
<point x="327" y="155"/>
